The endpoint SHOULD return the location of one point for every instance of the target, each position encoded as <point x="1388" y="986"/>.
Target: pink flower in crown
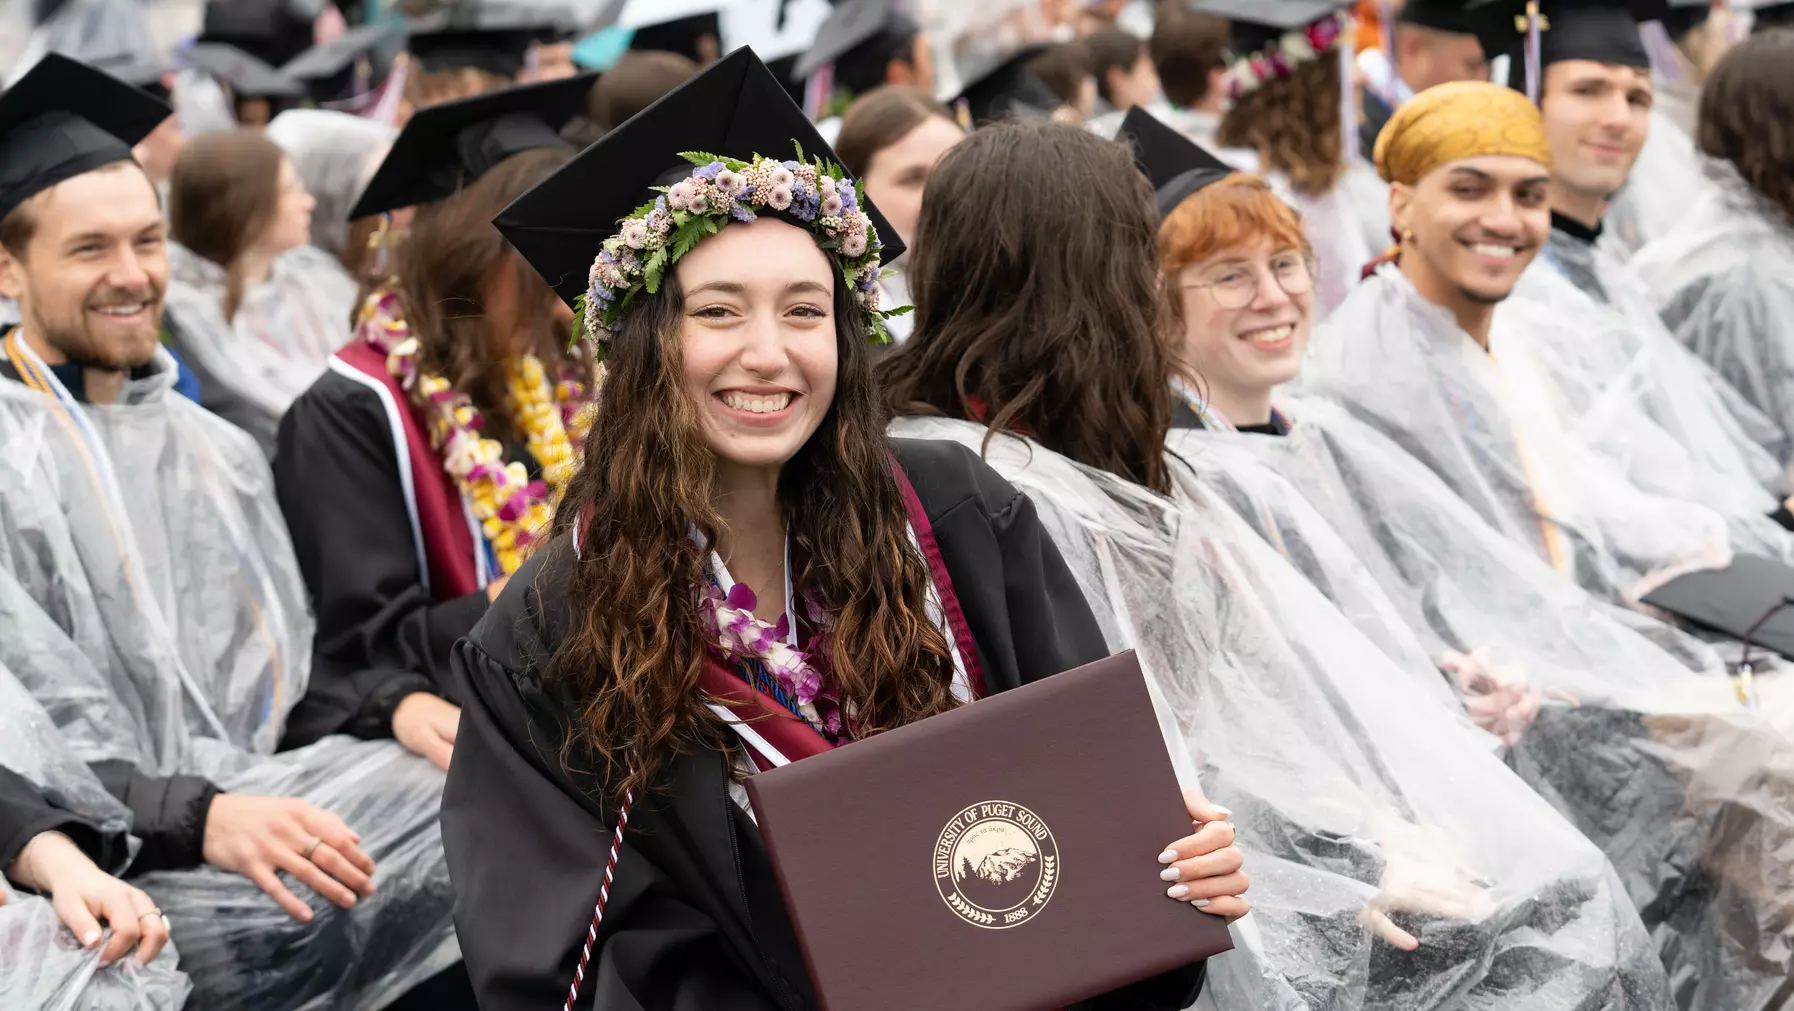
<point x="729" y="182"/>
<point x="779" y="198"/>
<point x="780" y="177"/>
<point x="807" y="174"/>
<point x="659" y="223"/>
<point x="699" y="202"/>
<point x="634" y="233"/>
<point x="826" y="187"/>
<point x="831" y="205"/>
<point x="871" y="297"/>
<point x="853" y="245"/>
<point x="679" y="197"/>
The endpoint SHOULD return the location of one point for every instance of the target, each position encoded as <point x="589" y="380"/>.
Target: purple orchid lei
<point x="736" y="635"/>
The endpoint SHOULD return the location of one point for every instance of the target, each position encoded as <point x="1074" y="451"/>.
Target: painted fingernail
<point x="90" y="938"/>
<point x="1170" y="874"/>
<point x="1169" y="856"/>
<point x="1177" y="891"/>
<point x="1199" y="903"/>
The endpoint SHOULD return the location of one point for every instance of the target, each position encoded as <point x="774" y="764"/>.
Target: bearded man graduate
<point x="152" y="605"/>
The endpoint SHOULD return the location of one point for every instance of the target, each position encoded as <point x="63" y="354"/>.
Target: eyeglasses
<point x="1238" y="285"/>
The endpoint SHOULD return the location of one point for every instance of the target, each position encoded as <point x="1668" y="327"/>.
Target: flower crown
<point x="1250" y="73"/>
<point x="718" y="191"/>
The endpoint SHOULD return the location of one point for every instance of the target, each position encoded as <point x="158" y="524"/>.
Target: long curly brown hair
<point x="1046" y="318"/>
<point x="1747" y="116"/>
<point x="1293" y="124"/>
<point x="450" y="254"/>
<point x="631" y="659"/>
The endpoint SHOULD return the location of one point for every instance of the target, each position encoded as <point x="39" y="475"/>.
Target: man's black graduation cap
<point x="1684" y="16"/>
<point x="63" y="119"/>
<point x="1008" y="89"/>
<point x="1259" y="24"/>
<point x="1439" y="15"/>
<point x="326" y="71"/>
<point x="1773" y="15"/>
<point x="1604" y="31"/>
<point x="492" y="35"/>
<point x="859" y="38"/>
<point x="151" y="75"/>
<point x="246" y="76"/>
<point x="1735" y="599"/>
<point x="444" y="147"/>
<point x="1177" y="166"/>
<point x="273" y="31"/>
<point x="735" y="108"/>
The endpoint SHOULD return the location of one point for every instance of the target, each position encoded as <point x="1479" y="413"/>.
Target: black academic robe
<point x="695" y="920"/>
<point x="381" y="635"/>
<point x="1182" y="416"/>
<point x="25" y="812"/>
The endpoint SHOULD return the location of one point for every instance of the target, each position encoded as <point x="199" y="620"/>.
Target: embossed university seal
<point x="996" y="864"/>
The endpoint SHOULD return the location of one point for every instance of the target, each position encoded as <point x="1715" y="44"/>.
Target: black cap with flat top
<point x="735" y="109"/>
<point x="494" y="37"/>
<point x="1770" y="16"/>
<point x="246" y="76"/>
<point x="1684" y="16"/>
<point x="1177" y="166"/>
<point x="151" y="75"/>
<point x="1601" y="31"/>
<point x="326" y="70"/>
<point x="860" y="38"/>
<point x="64" y="118"/>
<point x="1747" y="599"/>
<point x="444" y="147"/>
<point x="1257" y="25"/>
<point x="1439" y="15"/>
<point x="1008" y="89"/>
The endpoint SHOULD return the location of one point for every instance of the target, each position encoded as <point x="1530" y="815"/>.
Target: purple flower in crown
<point x="710" y="171"/>
<point x="740" y="213"/>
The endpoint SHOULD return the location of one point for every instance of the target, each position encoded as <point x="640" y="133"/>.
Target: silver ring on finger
<point x="152" y="912"/>
<point x="311" y="846"/>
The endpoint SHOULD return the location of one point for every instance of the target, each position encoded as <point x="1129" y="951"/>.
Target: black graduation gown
<point x="1182" y="416"/>
<point x="380" y="635"/>
<point x="695" y="920"/>
<point x="25" y="812"/>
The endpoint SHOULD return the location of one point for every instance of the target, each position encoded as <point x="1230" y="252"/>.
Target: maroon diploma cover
<point x="999" y="857"/>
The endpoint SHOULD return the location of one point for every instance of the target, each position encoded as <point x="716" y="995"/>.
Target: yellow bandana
<point x="1455" y="121"/>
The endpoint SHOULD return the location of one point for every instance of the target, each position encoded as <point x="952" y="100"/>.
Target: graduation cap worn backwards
<point x="65" y="118"/>
<point x="1177" y="166"/>
<point x="444" y="147"/>
<point x="734" y="109"/>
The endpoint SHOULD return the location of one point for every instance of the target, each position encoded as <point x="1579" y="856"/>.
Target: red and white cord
<point x="610" y="867"/>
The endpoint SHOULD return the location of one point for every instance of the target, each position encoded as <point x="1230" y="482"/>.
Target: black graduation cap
<point x="1605" y="31"/>
<point x="1440" y="15"/>
<point x="444" y="147"/>
<point x="1684" y="16"/>
<point x="1259" y="24"/>
<point x="859" y="38"/>
<point x="678" y="35"/>
<point x="327" y="70"/>
<point x="1735" y="599"/>
<point x="499" y="51"/>
<point x="1774" y="15"/>
<point x="151" y="75"/>
<point x="247" y="76"/>
<point x="273" y="31"/>
<point x="735" y="108"/>
<point x="1008" y="89"/>
<point x="64" y="118"/>
<point x="1177" y="166"/>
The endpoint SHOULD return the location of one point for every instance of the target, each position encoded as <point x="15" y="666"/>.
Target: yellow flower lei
<point x="514" y="512"/>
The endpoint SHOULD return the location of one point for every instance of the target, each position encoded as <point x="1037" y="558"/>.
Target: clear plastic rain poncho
<point x="89" y="30"/>
<point x="42" y="967"/>
<point x="335" y="154"/>
<point x="283" y="334"/>
<point x="153" y="606"/>
<point x="1358" y="793"/>
<point x="1497" y="430"/>
<point x="1671" y="422"/>
<point x="1723" y="281"/>
<point x="1668" y="164"/>
<point x="1624" y="742"/>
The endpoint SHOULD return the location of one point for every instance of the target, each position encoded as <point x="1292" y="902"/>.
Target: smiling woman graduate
<point x="743" y="543"/>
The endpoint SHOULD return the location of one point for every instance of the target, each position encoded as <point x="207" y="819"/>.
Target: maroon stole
<point x="438" y="510"/>
<point x="791" y="735"/>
